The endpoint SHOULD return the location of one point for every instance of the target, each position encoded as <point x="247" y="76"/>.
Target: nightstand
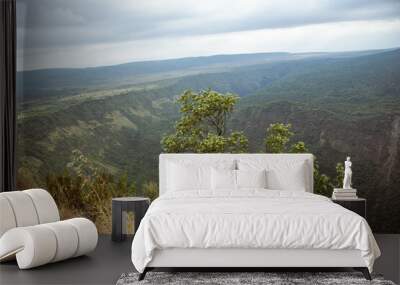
<point x="121" y="205"/>
<point x="358" y="205"/>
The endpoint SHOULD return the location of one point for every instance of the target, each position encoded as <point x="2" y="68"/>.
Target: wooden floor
<point x="110" y="260"/>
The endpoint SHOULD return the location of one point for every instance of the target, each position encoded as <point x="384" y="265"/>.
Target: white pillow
<point x="251" y="178"/>
<point x="291" y="176"/>
<point x="282" y="174"/>
<point x="223" y="179"/>
<point x="186" y="174"/>
<point x="188" y="177"/>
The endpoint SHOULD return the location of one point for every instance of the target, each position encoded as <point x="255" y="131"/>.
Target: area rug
<point x="269" y="278"/>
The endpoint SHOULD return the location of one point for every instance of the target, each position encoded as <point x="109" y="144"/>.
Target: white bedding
<point x="251" y="218"/>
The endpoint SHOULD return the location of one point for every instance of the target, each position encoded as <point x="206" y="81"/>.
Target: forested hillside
<point x="339" y="104"/>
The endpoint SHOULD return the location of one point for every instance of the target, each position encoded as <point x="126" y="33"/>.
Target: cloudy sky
<point x="83" y="33"/>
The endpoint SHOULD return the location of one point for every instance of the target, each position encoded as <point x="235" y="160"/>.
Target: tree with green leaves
<point x="322" y="182"/>
<point x="339" y="175"/>
<point x="277" y="140"/>
<point x="278" y="136"/>
<point x="202" y="127"/>
<point x="299" y="147"/>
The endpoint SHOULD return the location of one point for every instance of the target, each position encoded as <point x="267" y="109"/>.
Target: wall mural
<point x="98" y="85"/>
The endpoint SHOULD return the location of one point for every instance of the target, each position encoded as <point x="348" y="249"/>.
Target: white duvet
<point x="250" y="219"/>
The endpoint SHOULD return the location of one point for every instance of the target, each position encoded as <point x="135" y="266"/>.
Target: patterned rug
<point x="269" y="278"/>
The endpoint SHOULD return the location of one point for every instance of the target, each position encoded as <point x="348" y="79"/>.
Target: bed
<point x="247" y="210"/>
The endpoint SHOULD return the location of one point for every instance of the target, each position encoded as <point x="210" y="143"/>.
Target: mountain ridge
<point x="40" y="83"/>
<point x="202" y="57"/>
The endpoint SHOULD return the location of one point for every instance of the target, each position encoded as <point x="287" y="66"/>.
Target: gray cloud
<point x="69" y="22"/>
<point x="46" y="24"/>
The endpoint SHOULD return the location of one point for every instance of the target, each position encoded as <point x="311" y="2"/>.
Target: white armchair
<point x="31" y="230"/>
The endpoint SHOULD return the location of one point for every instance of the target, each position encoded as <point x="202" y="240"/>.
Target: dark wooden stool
<point x="137" y="205"/>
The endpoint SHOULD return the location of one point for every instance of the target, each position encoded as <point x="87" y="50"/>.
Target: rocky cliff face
<point x="393" y="149"/>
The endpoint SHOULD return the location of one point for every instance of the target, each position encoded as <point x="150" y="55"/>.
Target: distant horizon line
<point x="205" y="56"/>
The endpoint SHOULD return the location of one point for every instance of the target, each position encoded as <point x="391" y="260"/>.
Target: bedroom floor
<point x="110" y="260"/>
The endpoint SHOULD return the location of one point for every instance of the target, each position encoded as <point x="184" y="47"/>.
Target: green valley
<point x="338" y="103"/>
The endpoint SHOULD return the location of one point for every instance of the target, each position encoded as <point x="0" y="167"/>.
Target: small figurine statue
<point x="347" y="174"/>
